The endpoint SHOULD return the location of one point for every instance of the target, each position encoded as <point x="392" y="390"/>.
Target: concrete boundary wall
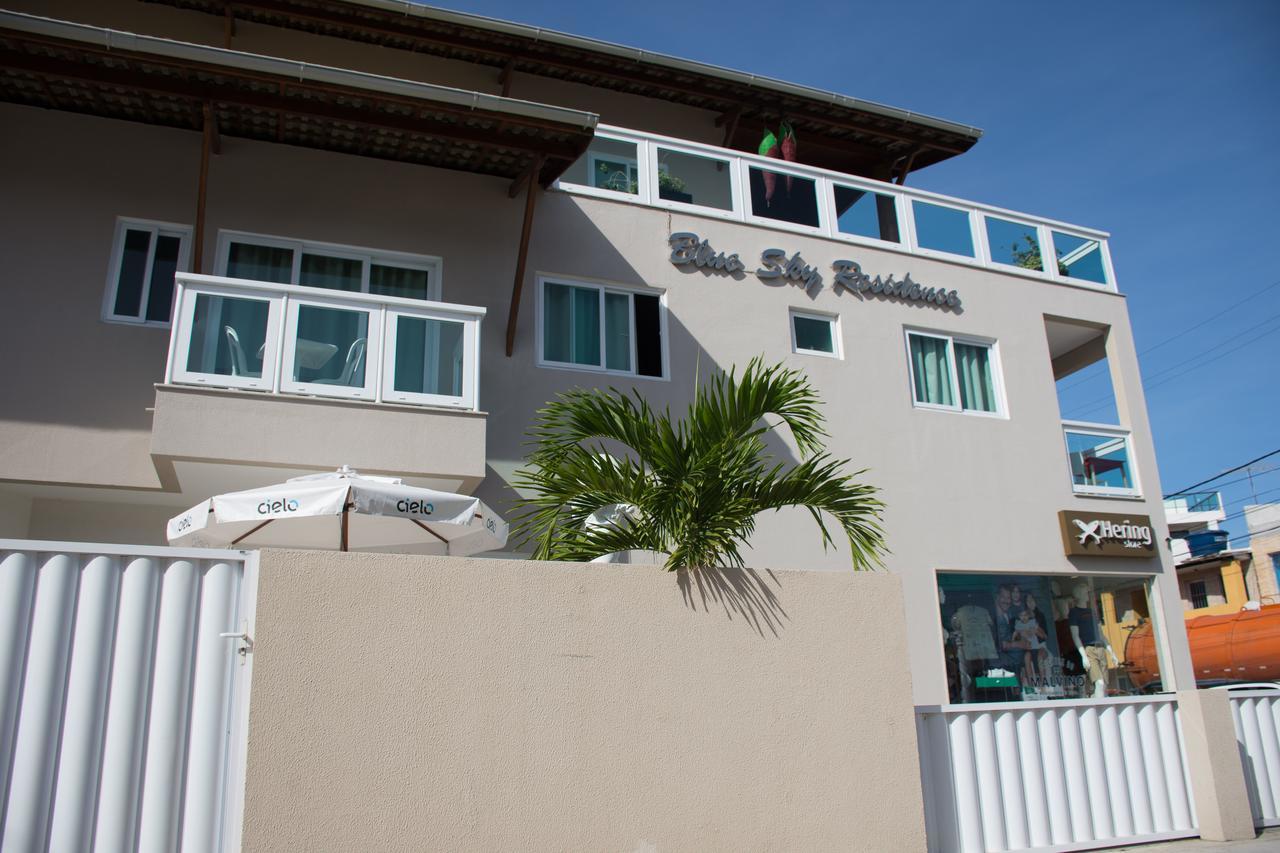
<point x="460" y="704"/>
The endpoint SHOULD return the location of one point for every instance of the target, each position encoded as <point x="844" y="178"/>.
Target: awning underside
<point x="69" y="75"/>
<point x="846" y="137"/>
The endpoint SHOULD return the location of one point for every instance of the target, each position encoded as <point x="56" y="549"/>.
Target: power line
<point x="1102" y="402"/>
<point x="1223" y="474"/>
<point x="1196" y="358"/>
<point x="1181" y="334"/>
<point x="1242" y="512"/>
<point x="1245" y="479"/>
<point x="1250" y="497"/>
<point x="1272" y="529"/>
<point x="1209" y="320"/>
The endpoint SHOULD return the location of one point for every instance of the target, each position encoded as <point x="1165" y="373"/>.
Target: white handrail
<point x="1090" y="426"/>
<point x="739" y="163"/>
<point x="259" y="287"/>
<point x="283" y="305"/>
<point x="807" y="171"/>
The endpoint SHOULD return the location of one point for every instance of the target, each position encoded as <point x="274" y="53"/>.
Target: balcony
<point x="1101" y="460"/>
<point x="1194" y="511"/>
<point x="673" y="174"/>
<point x="1194" y="502"/>
<point x="263" y="374"/>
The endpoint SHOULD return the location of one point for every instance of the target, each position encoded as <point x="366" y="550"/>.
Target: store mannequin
<point x="1091" y="644"/>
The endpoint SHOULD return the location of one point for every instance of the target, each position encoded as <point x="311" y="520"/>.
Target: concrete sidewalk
<point x="1267" y="842"/>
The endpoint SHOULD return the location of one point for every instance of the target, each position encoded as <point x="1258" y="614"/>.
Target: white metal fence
<point x="1054" y="775"/>
<point x="1257" y="718"/>
<point x="122" y="710"/>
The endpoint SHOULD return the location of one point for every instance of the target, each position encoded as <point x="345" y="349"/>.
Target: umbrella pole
<point x="345" y="516"/>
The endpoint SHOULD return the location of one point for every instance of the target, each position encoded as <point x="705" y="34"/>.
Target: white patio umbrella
<point x="346" y="511"/>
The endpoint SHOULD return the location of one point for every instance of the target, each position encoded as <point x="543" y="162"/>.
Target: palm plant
<point x="691" y="489"/>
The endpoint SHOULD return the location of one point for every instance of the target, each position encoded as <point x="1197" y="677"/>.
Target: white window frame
<point x="633" y="171"/>
<point x="1041" y="236"/>
<point x="976" y="239"/>
<point x="432" y="264"/>
<point x="270" y="347"/>
<point x="124" y="224"/>
<point x="1102" y="431"/>
<point x="641" y="195"/>
<point x="1103" y="248"/>
<point x="546" y="278"/>
<point x="821" y="189"/>
<point x="289" y="385"/>
<point x="828" y="225"/>
<point x="832" y="320"/>
<point x="997" y="373"/>
<point x="900" y="202"/>
<point x="470" y="378"/>
<point x="654" y="177"/>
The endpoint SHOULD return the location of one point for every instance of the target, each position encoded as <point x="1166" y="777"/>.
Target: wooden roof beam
<point x="522" y="254"/>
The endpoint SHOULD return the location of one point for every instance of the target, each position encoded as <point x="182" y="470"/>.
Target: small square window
<point x="814" y="334"/>
<point x="145" y="258"/>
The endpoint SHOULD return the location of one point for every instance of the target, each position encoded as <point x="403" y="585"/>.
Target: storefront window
<point x="1031" y="637"/>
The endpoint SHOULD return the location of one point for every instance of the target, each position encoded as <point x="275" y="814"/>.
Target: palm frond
<point x="695" y="486"/>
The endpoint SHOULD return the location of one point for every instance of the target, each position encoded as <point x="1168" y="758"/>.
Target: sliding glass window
<point x="146" y="255"/>
<point x="951" y="373"/>
<point x="597" y="328"/>
<point x="328" y="267"/>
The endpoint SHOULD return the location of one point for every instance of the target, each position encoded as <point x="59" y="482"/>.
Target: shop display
<point x="1031" y="637"/>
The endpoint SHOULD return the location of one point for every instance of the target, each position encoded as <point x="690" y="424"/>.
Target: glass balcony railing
<point x="1193" y="502"/>
<point x="1101" y="459"/>
<point x="678" y="175"/>
<point x="283" y="339"/>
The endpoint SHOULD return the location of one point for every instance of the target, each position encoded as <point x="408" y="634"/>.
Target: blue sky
<point x="1156" y="121"/>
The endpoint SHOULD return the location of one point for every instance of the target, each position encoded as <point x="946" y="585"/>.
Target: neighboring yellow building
<point x="1215" y="585"/>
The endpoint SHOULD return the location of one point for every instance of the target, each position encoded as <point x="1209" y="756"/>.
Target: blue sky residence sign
<point x="777" y="266"/>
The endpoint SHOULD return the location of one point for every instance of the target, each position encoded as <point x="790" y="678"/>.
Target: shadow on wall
<point x="569" y="241"/>
<point x="738" y="592"/>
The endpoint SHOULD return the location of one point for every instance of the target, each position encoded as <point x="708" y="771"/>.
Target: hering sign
<point x="689" y="249"/>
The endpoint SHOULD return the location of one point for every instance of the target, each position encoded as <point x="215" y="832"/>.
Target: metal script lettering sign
<point x="688" y="249"/>
<point x="1106" y="534"/>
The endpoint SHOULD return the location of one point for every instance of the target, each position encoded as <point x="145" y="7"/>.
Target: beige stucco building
<point x="396" y="233"/>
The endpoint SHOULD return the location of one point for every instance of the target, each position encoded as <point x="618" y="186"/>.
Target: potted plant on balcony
<point x="673" y="188"/>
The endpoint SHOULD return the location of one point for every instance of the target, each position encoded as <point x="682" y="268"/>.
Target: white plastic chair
<point x="239" y="363"/>
<point x="355" y="357"/>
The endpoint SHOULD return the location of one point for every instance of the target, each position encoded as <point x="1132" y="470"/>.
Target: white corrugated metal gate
<point x="1071" y="775"/>
<point x="1257" y="719"/>
<point x="122" y="709"/>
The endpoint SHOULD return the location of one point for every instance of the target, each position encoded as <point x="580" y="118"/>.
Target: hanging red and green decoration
<point x="770" y="146"/>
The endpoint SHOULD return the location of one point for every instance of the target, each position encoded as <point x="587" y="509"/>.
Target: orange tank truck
<point x="1242" y="646"/>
